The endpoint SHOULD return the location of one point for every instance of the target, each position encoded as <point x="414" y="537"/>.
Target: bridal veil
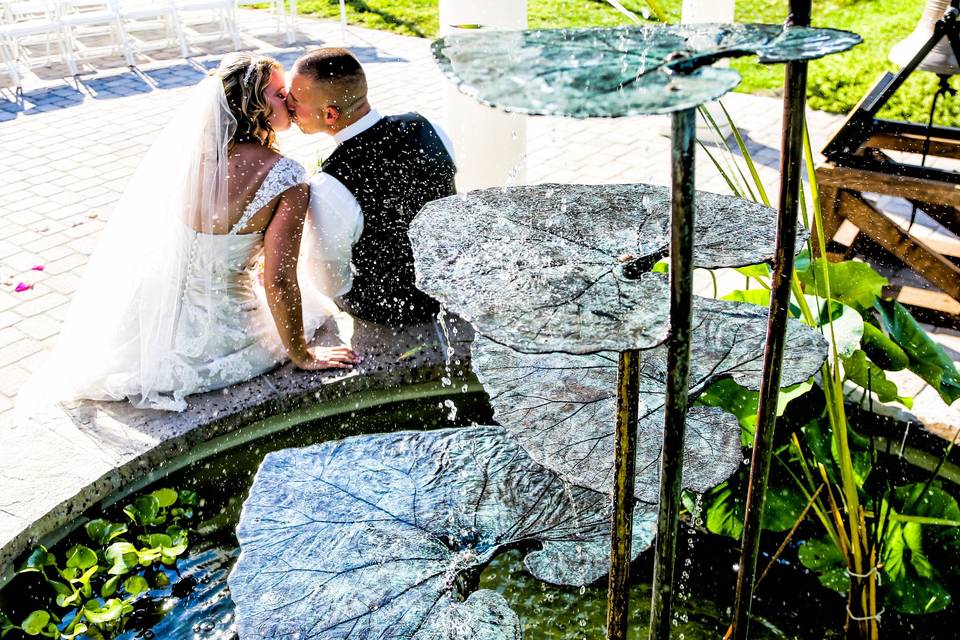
<point x="120" y="339"/>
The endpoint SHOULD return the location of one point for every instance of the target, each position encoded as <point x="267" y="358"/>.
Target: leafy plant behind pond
<point x="92" y="588"/>
<point x="876" y="538"/>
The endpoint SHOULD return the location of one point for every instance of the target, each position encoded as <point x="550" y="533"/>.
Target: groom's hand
<point x="328" y="358"/>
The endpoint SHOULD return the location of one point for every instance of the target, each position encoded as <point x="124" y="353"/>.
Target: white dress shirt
<point x="335" y="221"/>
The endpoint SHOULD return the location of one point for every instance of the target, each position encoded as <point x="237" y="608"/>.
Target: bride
<point x="170" y="303"/>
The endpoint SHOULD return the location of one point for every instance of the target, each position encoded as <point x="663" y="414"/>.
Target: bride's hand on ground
<point x="328" y="358"/>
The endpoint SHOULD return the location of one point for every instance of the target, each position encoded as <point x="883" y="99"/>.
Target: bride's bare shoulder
<point x="249" y="164"/>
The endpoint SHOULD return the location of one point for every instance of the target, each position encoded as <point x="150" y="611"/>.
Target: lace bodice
<point x="284" y="174"/>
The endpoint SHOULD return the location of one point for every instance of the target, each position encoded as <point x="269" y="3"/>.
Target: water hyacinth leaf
<point x="35" y="623"/>
<point x="385" y="535"/>
<point x="561" y="407"/>
<point x="98" y="613"/>
<point x="623" y="71"/>
<point x="165" y="497"/>
<point x="578" y="277"/>
<point x="81" y="557"/>
<point x="102" y="531"/>
<point x="38" y="559"/>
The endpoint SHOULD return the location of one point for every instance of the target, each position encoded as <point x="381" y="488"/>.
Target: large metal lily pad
<point x="381" y="536"/>
<point x="623" y="71"/>
<point x="562" y="407"/>
<point x="555" y="267"/>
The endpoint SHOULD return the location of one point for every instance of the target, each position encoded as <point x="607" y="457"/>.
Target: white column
<point x="490" y="145"/>
<point x="694" y="11"/>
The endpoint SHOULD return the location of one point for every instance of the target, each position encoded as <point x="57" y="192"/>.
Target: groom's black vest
<point x="392" y="169"/>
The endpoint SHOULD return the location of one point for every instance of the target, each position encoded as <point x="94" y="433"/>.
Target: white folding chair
<point x="223" y="11"/>
<point x="24" y="26"/>
<point x="82" y="19"/>
<point x="138" y="16"/>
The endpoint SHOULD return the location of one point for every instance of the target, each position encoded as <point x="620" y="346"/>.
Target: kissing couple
<point x="171" y="303"/>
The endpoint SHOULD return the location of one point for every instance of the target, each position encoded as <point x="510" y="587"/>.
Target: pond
<point x="194" y="600"/>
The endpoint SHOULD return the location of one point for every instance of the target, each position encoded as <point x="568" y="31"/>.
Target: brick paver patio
<point x="67" y="152"/>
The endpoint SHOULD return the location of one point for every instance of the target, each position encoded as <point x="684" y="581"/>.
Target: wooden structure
<point x="869" y="155"/>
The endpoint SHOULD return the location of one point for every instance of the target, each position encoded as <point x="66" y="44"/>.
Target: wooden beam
<point x="829" y="201"/>
<point x="946" y="215"/>
<point x="830" y="175"/>
<point x="942" y="273"/>
<point x="913" y="143"/>
<point x="933" y="307"/>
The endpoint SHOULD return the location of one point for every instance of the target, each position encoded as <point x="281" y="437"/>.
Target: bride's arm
<point x="282" y="249"/>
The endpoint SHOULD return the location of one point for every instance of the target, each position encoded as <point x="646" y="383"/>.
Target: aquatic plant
<point x="93" y="590"/>
<point x="868" y="553"/>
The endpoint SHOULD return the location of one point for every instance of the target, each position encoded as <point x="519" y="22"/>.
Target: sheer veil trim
<point x="119" y="339"/>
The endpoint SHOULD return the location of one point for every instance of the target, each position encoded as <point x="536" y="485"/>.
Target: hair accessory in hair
<point x="250" y="69"/>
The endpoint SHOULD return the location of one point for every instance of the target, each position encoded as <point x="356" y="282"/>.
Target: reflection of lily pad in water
<point x="568" y="267"/>
<point x="623" y="71"/>
<point x="379" y="536"/>
<point x="561" y="407"/>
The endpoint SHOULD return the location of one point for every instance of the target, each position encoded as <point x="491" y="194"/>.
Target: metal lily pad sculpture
<point x="561" y="407"/>
<point x="383" y="536"/>
<point x="625" y="71"/>
<point x="576" y="276"/>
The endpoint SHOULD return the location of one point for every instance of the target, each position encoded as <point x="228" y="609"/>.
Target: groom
<point x="383" y="170"/>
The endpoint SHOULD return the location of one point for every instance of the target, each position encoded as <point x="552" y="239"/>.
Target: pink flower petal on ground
<point x="23" y="286"/>
<point x="38" y="267"/>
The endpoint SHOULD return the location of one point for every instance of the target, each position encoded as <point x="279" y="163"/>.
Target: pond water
<point x="196" y="604"/>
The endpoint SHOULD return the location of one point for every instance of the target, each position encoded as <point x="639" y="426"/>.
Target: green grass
<point x="836" y="83"/>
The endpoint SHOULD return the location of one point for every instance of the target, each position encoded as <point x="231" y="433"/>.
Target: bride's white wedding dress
<point x="167" y="307"/>
<point x="244" y="342"/>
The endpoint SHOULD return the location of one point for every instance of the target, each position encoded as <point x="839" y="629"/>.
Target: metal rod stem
<point x="678" y="368"/>
<point x="624" y="472"/>
<point x="791" y="173"/>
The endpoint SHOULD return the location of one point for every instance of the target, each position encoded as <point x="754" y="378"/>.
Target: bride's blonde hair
<point x="245" y="78"/>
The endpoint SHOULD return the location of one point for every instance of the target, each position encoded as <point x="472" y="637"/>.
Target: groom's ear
<point x="331" y="114"/>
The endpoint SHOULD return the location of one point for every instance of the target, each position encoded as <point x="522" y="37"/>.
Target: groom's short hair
<point x="340" y="70"/>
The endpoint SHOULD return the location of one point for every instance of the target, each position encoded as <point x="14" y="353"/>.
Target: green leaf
<point x="135" y="585"/>
<point x="840" y="324"/>
<point x="782" y="506"/>
<point x="759" y="297"/>
<point x="123" y="557"/>
<point x="165" y="497"/>
<point x="724" y="510"/>
<point x="855" y="284"/>
<point x="913" y="537"/>
<point x="76" y="632"/>
<point x="835" y="579"/>
<point x="883" y="351"/>
<point x="37" y="560"/>
<point x="761" y="271"/>
<point x="867" y="375"/>
<point x="103" y="531"/>
<point x="823" y="558"/>
<point x="917" y="596"/>
<point x="81" y="557"/>
<point x="110" y="586"/>
<point x="144" y="510"/>
<point x="35" y="623"/>
<point x="927" y="358"/>
<point x="66" y="595"/>
<point x="188" y="497"/>
<point x="97" y="613"/>
<point x="821" y="554"/>
<point x="733" y="398"/>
